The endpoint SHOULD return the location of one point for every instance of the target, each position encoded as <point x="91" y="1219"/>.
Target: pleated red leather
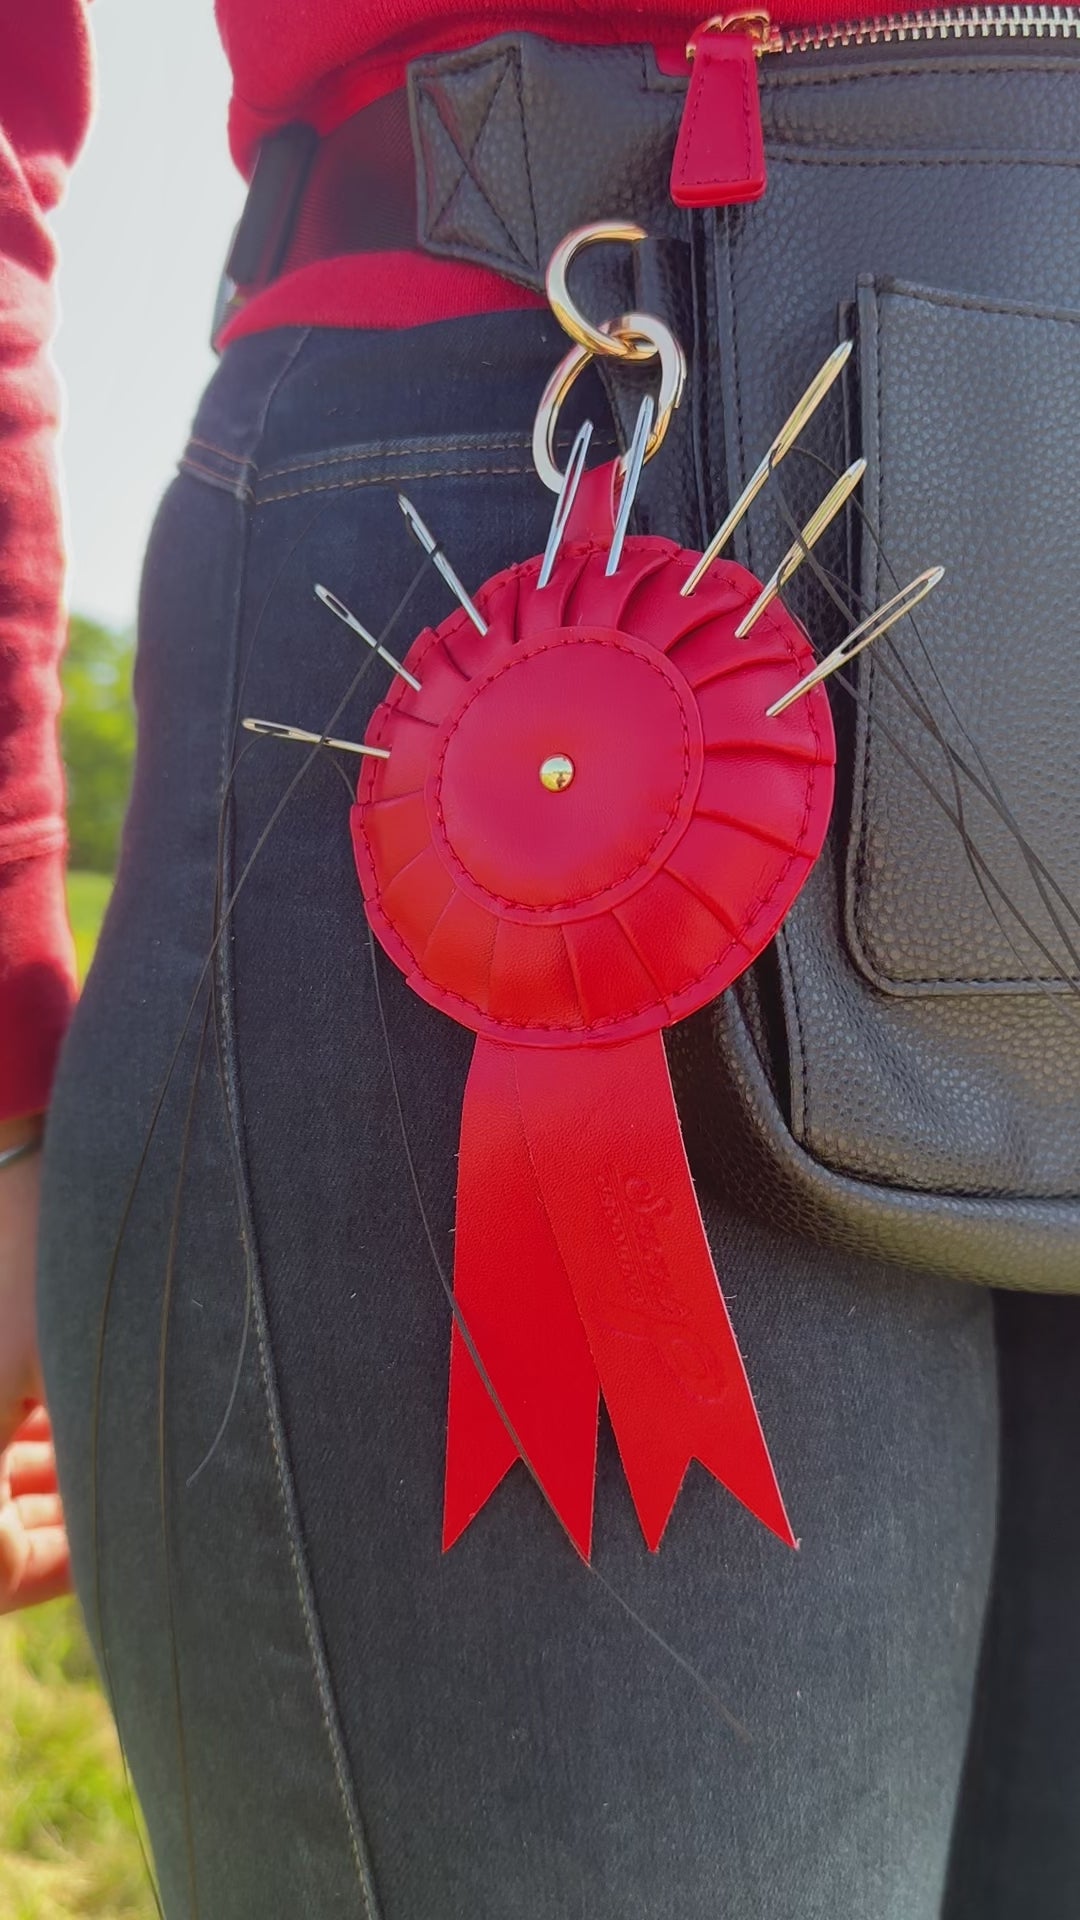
<point x="641" y="891"/>
<point x="566" y="927"/>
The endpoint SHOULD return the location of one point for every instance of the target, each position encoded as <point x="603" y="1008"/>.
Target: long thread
<point x="223" y="915"/>
<point x="672" y="1653"/>
<point x="971" y="767"/>
<point x="987" y="786"/>
<point x="993" y="889"/>
<point x="163" y="1467"/>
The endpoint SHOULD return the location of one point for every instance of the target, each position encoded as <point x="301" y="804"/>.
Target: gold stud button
<point x="556" y="772"/>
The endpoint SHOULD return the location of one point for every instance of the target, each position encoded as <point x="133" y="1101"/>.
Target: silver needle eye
<point x="431" y="546"/>
<point x="796" y="553"/>
<point x="635" y="460"/>
<point x="801" y="412"/>
<point x="338" y="606"/>
<point x="571" y="481"/>
<point x="870" y="629"/>
<point x="276" y="730"/>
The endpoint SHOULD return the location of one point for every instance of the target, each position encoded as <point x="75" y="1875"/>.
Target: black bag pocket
<point x="969" y="414"/>
<point x="911" y="1051"/>
<point x="946" y="1055"/>
<point x="959" y="890"/>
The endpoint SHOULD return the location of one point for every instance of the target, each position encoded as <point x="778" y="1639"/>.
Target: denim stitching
<point x="239" y="489"/>
<point x="286" y="1488"/>
<point x="483" y="443"/>
<point x="391" y="480"/>
<point x="238" y="459"/>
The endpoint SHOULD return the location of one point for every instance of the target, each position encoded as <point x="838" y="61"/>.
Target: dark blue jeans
<point x="324" y="1715"/>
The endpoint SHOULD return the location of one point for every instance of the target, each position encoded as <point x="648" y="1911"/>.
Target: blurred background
<point x="143" y="235"/>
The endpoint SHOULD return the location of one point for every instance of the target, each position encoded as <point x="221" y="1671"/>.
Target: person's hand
<point x="34" y="1560"/>
<point x="33" y="1545"/>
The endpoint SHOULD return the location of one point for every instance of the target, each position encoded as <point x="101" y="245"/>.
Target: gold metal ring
<point x="599" y="340"/>
<point x="755" y="24"/>
<point x="662" y="343"/>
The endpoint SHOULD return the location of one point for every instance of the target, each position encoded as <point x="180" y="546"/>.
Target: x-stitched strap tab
<point x="475" y="152"/>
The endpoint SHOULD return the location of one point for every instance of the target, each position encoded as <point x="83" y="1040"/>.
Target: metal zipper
<point x="945" y="23"/>
<point x="720" y="155"/>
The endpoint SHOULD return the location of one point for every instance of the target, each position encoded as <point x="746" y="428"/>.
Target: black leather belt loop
<point x="262" y="236"/>
<point x="352" y="191"/>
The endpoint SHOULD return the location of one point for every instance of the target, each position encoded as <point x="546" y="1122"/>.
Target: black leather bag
<point x="901" y="1073"/>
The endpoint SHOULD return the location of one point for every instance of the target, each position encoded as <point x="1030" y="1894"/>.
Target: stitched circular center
<point x="595" y="698"/>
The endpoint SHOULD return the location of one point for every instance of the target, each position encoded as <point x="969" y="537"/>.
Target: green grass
<point x="88" y="896"/>
<point x="68" y="1843"/>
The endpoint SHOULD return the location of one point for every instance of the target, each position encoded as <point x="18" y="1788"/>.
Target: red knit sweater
<point x="317" y="60"/>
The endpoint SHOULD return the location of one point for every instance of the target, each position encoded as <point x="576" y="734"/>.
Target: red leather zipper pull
<point x="720" y="153"/>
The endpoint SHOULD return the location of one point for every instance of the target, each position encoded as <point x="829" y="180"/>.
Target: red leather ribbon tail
<point x="606" y="1152"/>
<point x="512" y="1293"/>
<point x="580" y="1252"/>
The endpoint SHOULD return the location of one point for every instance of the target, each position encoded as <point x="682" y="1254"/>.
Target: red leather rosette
<point x="567" y="928"/>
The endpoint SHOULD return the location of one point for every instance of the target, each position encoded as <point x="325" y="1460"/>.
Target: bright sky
<point x="143" y="234"/>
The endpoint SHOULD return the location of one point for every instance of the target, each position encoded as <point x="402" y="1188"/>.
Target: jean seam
<point x="224" y="984"/>
<point x="238" y="488"/>
<point x="449" y="443"/>
<point x="393" y="479"/>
